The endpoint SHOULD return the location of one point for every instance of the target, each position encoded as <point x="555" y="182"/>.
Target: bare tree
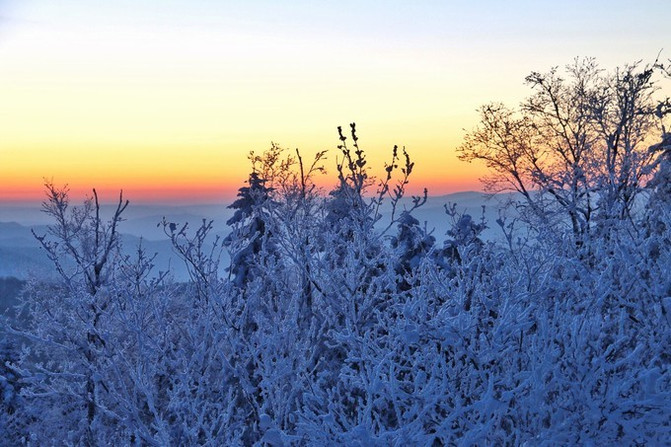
<point x="577" y="148"/>
<point x="81" y="236"/>
<point x="81" y="246"/>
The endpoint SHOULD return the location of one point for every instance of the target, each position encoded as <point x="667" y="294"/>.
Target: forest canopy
<point x="336" y="323"/>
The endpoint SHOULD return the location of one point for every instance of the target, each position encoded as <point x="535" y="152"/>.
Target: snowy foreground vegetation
<point x="335" y="325"/>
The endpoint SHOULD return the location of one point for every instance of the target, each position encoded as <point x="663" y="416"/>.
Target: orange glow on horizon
<point x="166" y="102"/>
<point x="211" y="187"/>
<point x="213" y="173"/>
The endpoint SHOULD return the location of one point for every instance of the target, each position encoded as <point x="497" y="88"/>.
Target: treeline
<point x="330" y="328"/>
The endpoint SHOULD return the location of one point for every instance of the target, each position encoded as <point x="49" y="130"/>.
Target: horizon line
<point x="195" y="201"/>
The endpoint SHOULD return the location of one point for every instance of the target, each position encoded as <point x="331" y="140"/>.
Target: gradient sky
<point x="166" y="98"/>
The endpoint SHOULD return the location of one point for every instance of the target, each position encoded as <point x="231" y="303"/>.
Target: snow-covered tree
<point x="250" y="229"/>
<point x="412" y="245"/>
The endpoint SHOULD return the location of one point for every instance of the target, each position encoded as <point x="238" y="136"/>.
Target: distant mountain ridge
<point x="21" y="255"/>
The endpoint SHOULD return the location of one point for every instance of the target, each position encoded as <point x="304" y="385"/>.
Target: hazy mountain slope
<point x="21" y="255"/>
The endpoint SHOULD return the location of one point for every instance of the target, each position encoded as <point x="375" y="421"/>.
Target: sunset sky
<point x="166" y="98"/>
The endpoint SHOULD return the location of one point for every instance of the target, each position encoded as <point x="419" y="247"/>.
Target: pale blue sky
<point x="613" y="30"/>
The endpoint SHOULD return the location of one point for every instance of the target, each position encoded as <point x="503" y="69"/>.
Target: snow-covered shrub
<point x="331" y="328"/>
